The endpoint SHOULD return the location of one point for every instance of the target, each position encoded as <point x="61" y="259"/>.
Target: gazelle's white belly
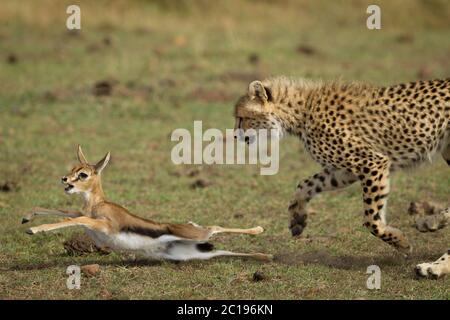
<point x="156" y="248"/>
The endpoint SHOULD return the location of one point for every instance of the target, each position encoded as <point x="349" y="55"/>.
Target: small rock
<point x="194" y="172"/>
<point x="306" y="50"/>
<point x="102" y="88"/>
<point x="107" y="41"/>
<point x="11" y="58"/>
<point x="9" y="186"/>
<point x="405" y="38"/>
<point x="253" y="58"/>
<point x="424" y="208"/>
<point x="90" y="269"/>
<point x="200" y="183"/>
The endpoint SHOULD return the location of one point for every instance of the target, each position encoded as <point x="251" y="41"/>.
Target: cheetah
<point x="356" y="132"/>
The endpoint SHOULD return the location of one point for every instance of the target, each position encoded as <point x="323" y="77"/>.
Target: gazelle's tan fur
<point x="111" y="225"/>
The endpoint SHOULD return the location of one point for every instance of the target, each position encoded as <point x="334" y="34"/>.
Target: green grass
<point x="176" y="65"/>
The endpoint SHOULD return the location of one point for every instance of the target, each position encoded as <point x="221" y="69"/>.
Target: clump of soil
<point x="107" y="41"/>
<point x="81" y="244"/>
<point x="103" y="88"/>
<point x="9" y="186"/>
<point x="405" y="38"/>
<point x="424" y="208"/>
<point x="193" y="172"/>
<point x="200" y="183"/>
<point x="11" y="58"/>
<point x="73" y="33"/>
<point x="254" y="59"/>
<point x="306" y="50"/>
<point x="258" y="276"/>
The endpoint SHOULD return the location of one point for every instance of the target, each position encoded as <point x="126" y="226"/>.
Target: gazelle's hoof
<point x="258" y="230"/>
<point x="25" y="220"/>
<point x="262" y="257"/>
<point x="30" y="231"/>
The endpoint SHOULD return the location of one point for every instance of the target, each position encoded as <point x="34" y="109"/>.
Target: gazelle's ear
<point x="81" y="156"/>
<point x="256" y="89"/>
<point x="99" y="166"/>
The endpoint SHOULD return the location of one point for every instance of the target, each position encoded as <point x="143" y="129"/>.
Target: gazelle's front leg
<point x="93" y="224"/>
<point x="42" y="211"/>
<point x="328" y="179"/>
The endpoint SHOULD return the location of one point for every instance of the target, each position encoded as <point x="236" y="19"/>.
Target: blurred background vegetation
<point x="139" y="69"/>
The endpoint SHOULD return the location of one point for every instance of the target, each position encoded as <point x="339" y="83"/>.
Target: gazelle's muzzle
<point x="65" y="182"/>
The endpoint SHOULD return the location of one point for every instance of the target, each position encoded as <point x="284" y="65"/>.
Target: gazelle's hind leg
<point x="42" y="211"/>
<point x="188" y="250"/>
<point x="217" y="229"/>
<point x="257" y="256"/>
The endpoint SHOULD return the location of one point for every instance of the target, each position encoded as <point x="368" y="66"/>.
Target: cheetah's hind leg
<point x="435" y="269"/>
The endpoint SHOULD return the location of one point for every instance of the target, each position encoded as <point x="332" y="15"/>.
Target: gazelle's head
<point x="84" y="177"/>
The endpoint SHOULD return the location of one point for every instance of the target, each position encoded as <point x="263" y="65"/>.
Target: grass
<point x="169" y="66"/>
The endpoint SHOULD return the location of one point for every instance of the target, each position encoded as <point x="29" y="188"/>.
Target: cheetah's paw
<point x="298" y="220"/>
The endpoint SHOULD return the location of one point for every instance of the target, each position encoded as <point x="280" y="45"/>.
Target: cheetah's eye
<point x="82" y="175"/>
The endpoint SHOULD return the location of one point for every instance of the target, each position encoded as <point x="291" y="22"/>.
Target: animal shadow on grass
<point x="347" y="262"/>
<point x="65" y="263"/>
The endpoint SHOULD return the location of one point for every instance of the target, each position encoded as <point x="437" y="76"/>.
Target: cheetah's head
<point x="254" y="110"/>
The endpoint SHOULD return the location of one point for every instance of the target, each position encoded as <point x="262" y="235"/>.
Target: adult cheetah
<point x="357" y="132"/>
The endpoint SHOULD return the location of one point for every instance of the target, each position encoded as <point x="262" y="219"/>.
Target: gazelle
<point x="110" y="225"/>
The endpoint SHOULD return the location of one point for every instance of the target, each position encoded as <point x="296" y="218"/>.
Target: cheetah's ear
<point x="256" y="89"/>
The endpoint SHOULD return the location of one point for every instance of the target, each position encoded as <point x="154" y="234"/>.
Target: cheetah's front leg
<point x="328" y="179"/>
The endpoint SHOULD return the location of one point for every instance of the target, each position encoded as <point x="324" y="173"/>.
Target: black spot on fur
<point x="334" y="183"/>
<point x="205" y="247"/>
<point x="148" y="232"/>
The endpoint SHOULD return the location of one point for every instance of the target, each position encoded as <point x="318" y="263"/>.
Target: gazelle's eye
<point x="82" y="175"/>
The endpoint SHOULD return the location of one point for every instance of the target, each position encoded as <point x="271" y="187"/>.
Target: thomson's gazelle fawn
<point x="110" y="225"/>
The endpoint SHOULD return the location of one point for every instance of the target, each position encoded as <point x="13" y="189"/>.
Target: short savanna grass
<point x="168" y="66"/>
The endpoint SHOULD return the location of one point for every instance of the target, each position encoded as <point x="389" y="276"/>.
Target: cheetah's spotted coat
<point x="357" y="132"/>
